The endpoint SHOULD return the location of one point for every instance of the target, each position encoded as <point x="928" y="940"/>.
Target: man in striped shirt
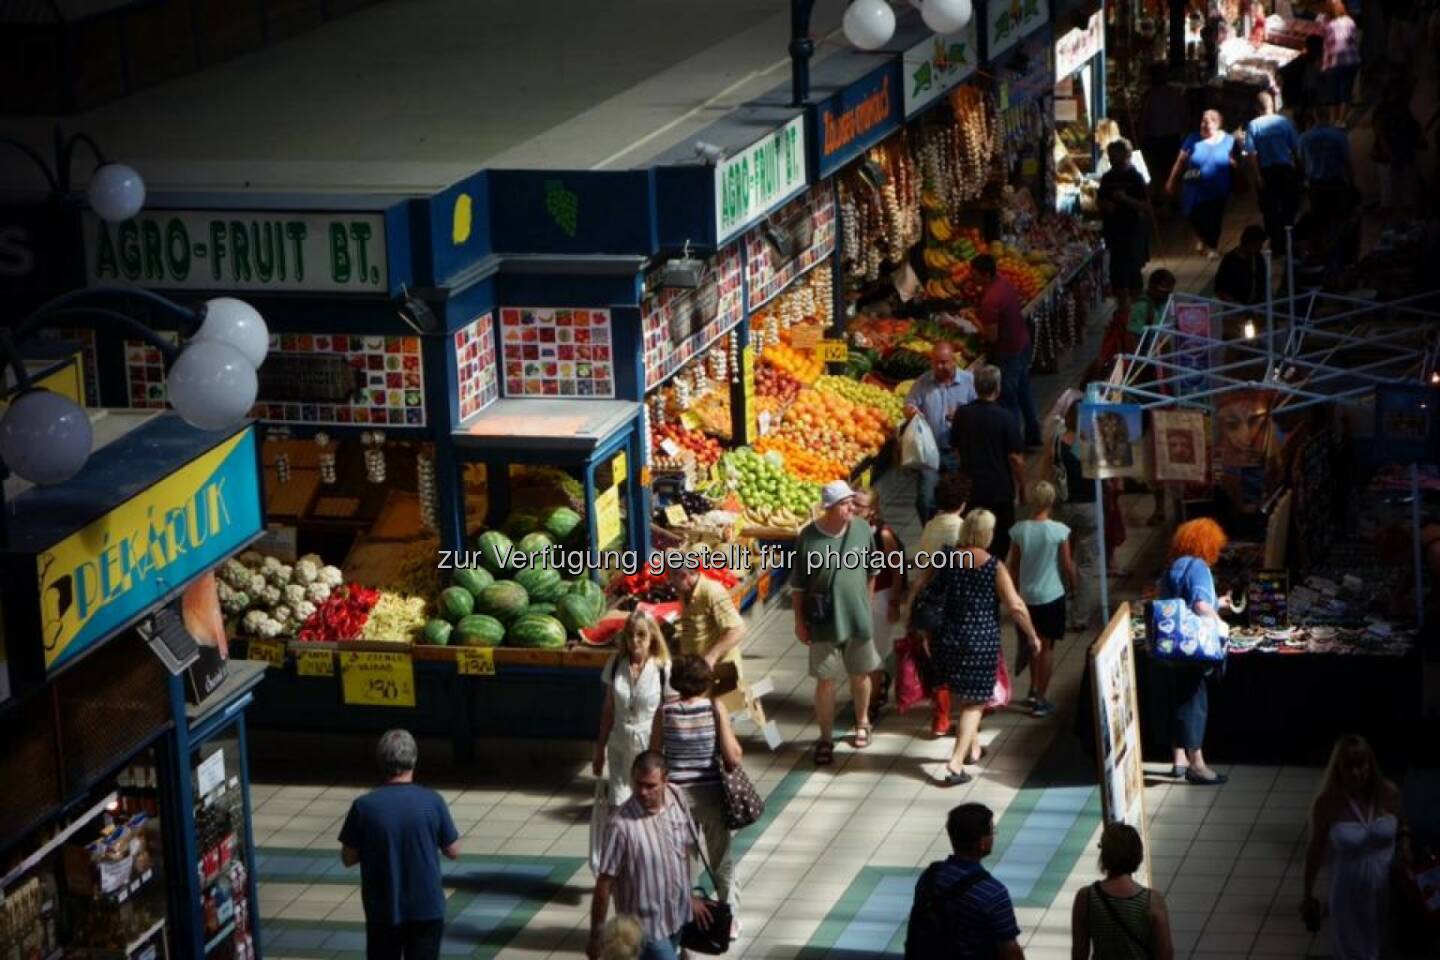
<point x="961" y="912"/>
<point x="645" y="864"/>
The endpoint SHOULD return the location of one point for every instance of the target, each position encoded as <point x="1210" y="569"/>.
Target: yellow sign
<point x="68" y="381"/>
<point x="619" y="468"/>
<point x="865" y="479"/>
<point x="271" y="652"/>
<point x="690" y="420"/>
<point x="112" y="570"/>
<point x="834" y="351"/>
<point x="607" y="518"/>
<point x="475" y="661"/>
<point x="747" y="373"/>
<point x="377" y="679"/>
<point x="675" y="515"/>
<point x="644" y="476"/>
<point x="315" y="663"/>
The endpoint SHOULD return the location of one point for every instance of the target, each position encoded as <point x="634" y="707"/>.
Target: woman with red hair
<point x="1194" y="549"/>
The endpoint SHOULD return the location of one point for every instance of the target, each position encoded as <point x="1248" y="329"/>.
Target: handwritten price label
<point x="271" y="652"/>
<point x="475" y="661"/>
<point x="834" y="351"/>
<point x="675" y="515"/>
<point x="315" y="663"/>
<point x="805" y="336"/>
<point x="377" y="679"/>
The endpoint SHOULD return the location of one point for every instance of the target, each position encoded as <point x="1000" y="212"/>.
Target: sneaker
<point x="1042" y="709"/>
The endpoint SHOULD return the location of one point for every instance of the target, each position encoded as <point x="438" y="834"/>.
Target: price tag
<point x="834" y="351"/>
<point x="315" y="663"/>
<point x="669" y="447"/>
<point x="675" y="515"/>
<point x="690" y="419"/>
<point x="271" y="652"/>
<point x="619" y="468"/>
<point x="645" y="476"/>
<point x="764" y="421"/>
<point x="806" y="336"/>
<point x="377" y="679"/>
<point x="475" y="661"/>
<point x="865" y="479"/>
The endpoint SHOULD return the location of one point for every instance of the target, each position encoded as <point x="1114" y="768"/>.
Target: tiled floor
<point x="830" y="869"/>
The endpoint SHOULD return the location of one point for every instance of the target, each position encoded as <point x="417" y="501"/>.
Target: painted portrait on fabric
<point x="1110" y="439"/>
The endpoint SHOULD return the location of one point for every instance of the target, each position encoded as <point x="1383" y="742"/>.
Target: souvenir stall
<point x="125" y="818"/>
<point x="1079" y="104"/>
<point x="1292" y="436"/>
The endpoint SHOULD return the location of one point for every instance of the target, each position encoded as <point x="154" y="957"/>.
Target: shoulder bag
<point x="714" y="939"/>
<point x="743" y="803"/>
<point x="1130" y="935"/>
<point x="927" y="938"/>
<point x="1180" y="635"/>
<point x="819" y="604"/>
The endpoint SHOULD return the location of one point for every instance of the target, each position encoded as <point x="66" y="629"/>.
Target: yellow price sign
<point x="676" y="515"/>
<point x="607" y="518"/>
<point x="315" y="663"/>
<point x="271" y="652"/>
<point x="475" y="661"/>
<point x="834" y="351"/>
<point x="377" y="679"/>
<point x="619" y="468"/>
<point x="865" y="479"/>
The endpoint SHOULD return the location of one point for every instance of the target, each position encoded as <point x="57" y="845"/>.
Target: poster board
<point x="1118" y="750"/>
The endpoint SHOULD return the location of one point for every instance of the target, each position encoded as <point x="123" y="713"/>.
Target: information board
<point x="1117" y="728"/>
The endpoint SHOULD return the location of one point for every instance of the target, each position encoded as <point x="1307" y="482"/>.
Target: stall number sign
<point x="377" y="679"/>
<point x="475" y="661"/>
<point x="238" y="250"/>
<point x="938" y="63"/>
<point x="834" y="351"/>
<point x="271" y="652"/>
<point x="750" y="183"/>
<point x="315" y="663"/>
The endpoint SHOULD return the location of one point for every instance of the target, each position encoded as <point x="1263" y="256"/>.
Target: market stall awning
<point x="576" y="426"/>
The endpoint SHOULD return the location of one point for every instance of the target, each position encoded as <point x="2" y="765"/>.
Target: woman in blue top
<point x="1205" y="165"/>
<point x="1194" y="549"/>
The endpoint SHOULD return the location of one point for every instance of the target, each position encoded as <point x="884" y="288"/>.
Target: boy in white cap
<point x="832" y="584"/>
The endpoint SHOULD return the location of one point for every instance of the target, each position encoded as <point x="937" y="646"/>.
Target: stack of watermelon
<point x="530" y="606"/>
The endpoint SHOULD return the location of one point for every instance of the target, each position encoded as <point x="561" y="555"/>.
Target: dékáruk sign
<point x="753" y="181"/>
<point x="858" y="117"/>
<point x="240" y="250"/>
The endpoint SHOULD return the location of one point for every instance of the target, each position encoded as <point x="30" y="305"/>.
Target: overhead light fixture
<point x="944" y="16"/>
<point x="417" y="313"/>
<point x="683" y="272"/>
<point x="1249" y="329"/>
<point x="869" y="24"/>
<point x="711" y="153"/>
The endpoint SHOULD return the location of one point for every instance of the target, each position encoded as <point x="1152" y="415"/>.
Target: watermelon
<point x="456" y="602"/>
<point x="521" y="522"/>
<point x="504" y="600"/>
<point x="537" y="631"/>
<point x="563" y="587"/>
<point x="561" y="522"/>
<point x="535" y="544"/>
<point x="494" y="549"/>
<point x="478" y="630"/>
<point x="437" y="632"/>
<point x="590" y="591"/>
<point x="575" y="612"/>
<point x="542" y="585"/>
<point x="536" y="608"/>
<point x="474" y="580"/>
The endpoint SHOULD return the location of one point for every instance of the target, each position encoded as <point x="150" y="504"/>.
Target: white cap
<point x="836" y="491"/>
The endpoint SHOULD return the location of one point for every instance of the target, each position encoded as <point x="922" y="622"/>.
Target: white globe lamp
<point x="116" y="192"/>
<point x="946" y="16"/>
<point x="237" y="323"/>
<point x="869" y="24"/>
<point x="45" y="437"/>
<point x="212" y="385"/>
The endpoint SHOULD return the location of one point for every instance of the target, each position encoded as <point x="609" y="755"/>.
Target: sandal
<point x="862" y="738"/>
<point x="954" y="778"/>
<point x="824" y="753"/>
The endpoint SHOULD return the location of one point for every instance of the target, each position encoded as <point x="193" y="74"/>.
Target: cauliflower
<point x="304" y="610"/>
<point x="269" y="629"/>
<point x="312" y="559"/>
<point x="255" y="585"/>
<point x="268" y="564"/>
<point x="306" y="572"/>
<point x="331" y="575"/>
<point x="279" y="576"/>
<point x="293" y="594"/>
<point x="318" y="592"/>
<point x="237" y="603"/>
<point x="254" y="622"/>
<point x="222" y="590"/>
<point x="234" y="574"/>
<point x="252" y="558"/>
<point x="270" y="596"/>
<point x="281" y="615"/>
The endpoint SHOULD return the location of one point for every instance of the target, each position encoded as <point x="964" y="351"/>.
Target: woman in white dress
<point x="1355" y="826"/>
<point x="636" y="680"/>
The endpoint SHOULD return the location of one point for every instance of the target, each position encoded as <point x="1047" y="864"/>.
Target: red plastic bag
<point x="910" y="688"/>
<point x="1000" y="699"/>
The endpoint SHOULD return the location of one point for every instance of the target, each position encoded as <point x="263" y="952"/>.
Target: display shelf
<point x="128" y="891"/>
<point x="132" y="948"/>
<point x="57" y="841"/>
<point x="219" y="938"/>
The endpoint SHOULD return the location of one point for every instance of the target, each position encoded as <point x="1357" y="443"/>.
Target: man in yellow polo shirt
<point x="709" y="625"/>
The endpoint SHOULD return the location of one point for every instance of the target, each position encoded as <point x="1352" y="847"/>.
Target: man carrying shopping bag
<point x="936" y="396"/>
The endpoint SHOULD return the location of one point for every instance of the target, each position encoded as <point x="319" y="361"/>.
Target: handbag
<point x="909" y="677"/>
<point x="714" y="939"/>
<point x="743" y="803"/>
<point x="1059" y="476"/>
<point x="1180" y="635"/>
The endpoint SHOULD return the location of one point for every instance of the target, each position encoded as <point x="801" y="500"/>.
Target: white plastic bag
<point x="599" y="824"/>
<point x="917" y="446"/>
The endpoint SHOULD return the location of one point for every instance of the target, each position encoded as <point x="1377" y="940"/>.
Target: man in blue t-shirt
<point x="1272" y="147"/>
<point x="397" y="833"/>
<point x="960" y="911"/>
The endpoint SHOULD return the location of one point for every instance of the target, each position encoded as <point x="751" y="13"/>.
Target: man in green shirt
<point x="1146" y="310"/>
<point x="832" y="583"/>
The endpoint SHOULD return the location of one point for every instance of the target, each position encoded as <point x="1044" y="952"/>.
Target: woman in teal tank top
<point x="1116" y="918"/>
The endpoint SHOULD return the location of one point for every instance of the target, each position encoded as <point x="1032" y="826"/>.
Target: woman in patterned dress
<point x="967" y="647"/>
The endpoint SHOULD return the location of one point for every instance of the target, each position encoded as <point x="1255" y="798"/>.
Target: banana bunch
<point x="941" y="288"/>
<point x="932" y="202"/>
<point x="783" y="518"/>
<point x="940" y="229"/>
<point x="917" y="345"/>
<point x="939" y="260"/>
